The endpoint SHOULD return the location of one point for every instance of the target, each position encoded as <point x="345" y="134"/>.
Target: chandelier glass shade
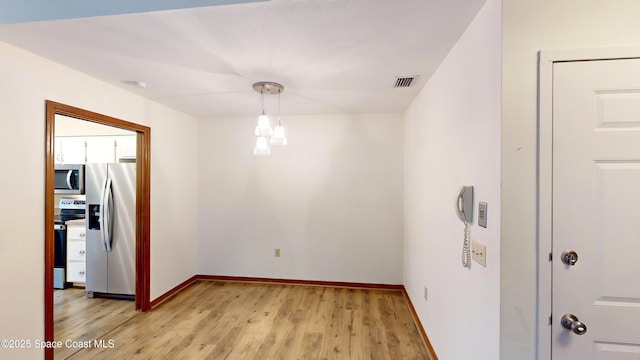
<point x="278" y="137"/>
<point x="261" y="148"/>
<point x="264" y="126"/>
<point x="263" y="129"/>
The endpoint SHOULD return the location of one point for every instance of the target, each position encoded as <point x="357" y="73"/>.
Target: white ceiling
<point x="332" y="56"/>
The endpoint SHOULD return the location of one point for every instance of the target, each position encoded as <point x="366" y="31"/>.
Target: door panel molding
<point x="143" y="204"/>
<point x="546" y="60"/>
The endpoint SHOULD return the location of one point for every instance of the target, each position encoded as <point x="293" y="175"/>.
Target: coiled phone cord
<point x="466" y="245"/>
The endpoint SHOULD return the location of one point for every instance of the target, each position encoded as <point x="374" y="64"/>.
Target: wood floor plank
<point x="239" y="321"/>
<point x="78" y="318"/>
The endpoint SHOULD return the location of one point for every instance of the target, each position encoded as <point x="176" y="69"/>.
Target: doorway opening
<point x="142" y="206"/>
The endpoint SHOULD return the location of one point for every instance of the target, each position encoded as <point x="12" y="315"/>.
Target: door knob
<point x="571" y="322"/>
<point x="569" y="257"/>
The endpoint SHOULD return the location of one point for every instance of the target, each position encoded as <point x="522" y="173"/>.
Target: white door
<point x="596" y="208"/>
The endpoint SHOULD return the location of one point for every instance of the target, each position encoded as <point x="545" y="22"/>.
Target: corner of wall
<point x="452" y="138"/>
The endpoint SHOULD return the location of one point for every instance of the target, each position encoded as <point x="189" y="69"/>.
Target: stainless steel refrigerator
<point x="111" y="239"/>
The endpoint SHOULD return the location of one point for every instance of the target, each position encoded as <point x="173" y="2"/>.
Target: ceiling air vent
<point x="404" y="81"/>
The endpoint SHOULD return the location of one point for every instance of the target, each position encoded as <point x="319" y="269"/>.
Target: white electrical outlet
<point x="479" y="252"/>
<point x="425" y="293"/>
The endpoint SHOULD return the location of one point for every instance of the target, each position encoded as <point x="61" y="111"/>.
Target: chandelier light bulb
<point x="261" y="148"/>
<point x="264" y="127"/>
<point x="278" y="137"/>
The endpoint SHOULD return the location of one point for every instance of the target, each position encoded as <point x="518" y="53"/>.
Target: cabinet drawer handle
<point x="83" y="234"/>
<point x="82" y="251"/>
<point x="81" y="272"/>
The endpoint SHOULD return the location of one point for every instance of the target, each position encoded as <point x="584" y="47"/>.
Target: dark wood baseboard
<point x="301" y="282"/>
<point x="173" y="291"/>
<point x="401" y="288"/>
<point x="432" y="352"/>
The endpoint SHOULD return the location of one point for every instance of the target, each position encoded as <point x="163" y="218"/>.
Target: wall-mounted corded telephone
<point x="464" y="210"/>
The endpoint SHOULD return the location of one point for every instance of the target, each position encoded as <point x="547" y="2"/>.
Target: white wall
<point x="68" y="126"/>
<point x="27" y="81"/>
<point x="530" y="26"/>
<point x="331" y="200"/>
<point x="452" y="138"/>
<point x="174" y="197"/>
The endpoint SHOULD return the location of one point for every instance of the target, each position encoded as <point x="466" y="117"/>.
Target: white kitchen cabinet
<point x="94" y="149"/>
<point x="101" y="149"/>
<point x="109" y="149"/>
<point x="76" y="251"/>
<point x="57" y="150"/>
<point x="70" y="150"/>
<point x="125" y="147"/>
<point x="76" y="273"/>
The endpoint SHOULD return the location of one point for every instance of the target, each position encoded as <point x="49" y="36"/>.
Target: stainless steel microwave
<point x="69" y="179"/>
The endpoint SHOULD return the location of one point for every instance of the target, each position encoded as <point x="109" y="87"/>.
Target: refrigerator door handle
<point x="108" y="215"/>
<point x="102" y="215"/>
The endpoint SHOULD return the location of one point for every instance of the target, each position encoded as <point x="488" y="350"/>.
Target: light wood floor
<point x="230" y="320"/>
<point x="78" y="318"/>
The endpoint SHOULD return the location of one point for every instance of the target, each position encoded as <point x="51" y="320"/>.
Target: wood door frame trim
<point x="143" y="204"/>
<point x="544" y="216"/>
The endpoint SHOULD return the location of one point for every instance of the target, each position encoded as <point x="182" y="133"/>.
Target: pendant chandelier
<point x="263" y="129"/>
